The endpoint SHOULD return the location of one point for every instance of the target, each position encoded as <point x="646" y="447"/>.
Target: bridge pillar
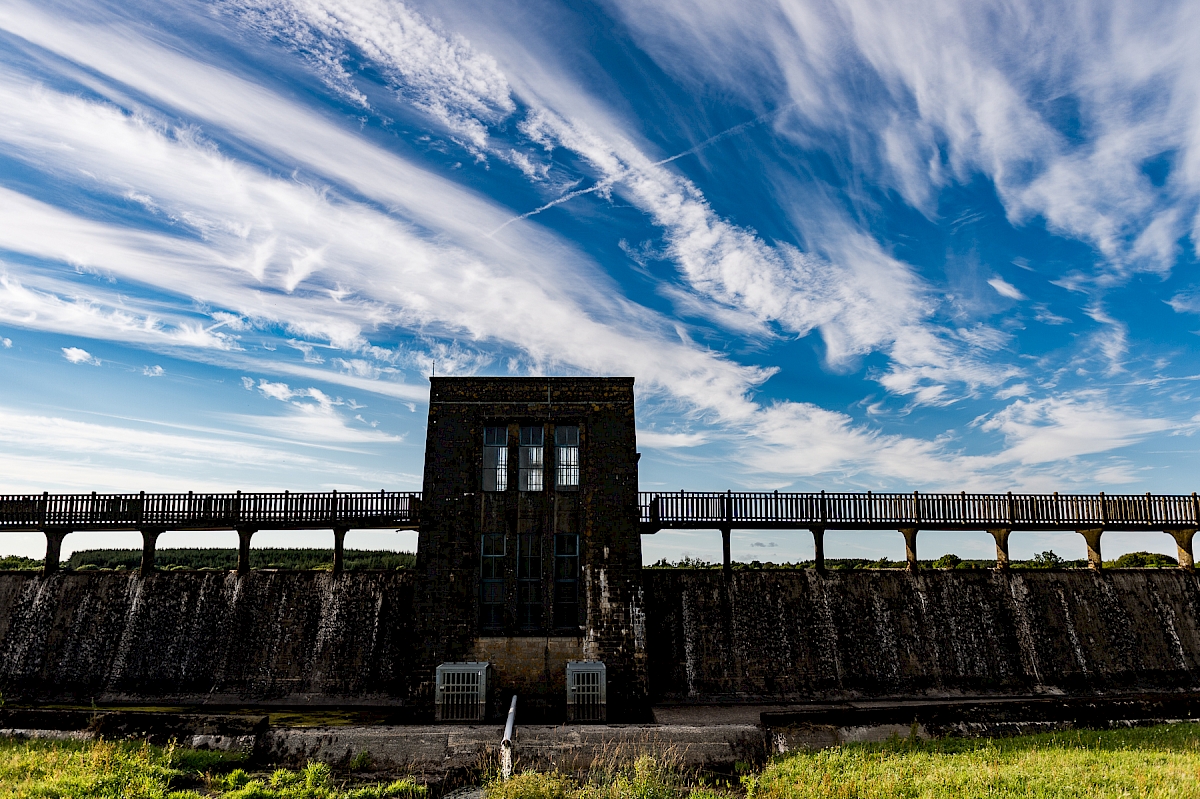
<point x="1001" y="535"/>
<point x="244" y="535"/>
<point x="1092" y="537"/>
<point x="339" y="538"/>
<point x="1183" y="543"/>
<point x="149" y="542"/>
<point x="726" y="560"/>
<point x="910" y="547"/>
<point x="818" y="548"/>
<point x="54" y="539"/>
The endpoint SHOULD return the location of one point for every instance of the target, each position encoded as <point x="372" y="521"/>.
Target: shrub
<point x="1046" y="560"/>
<point x="947" y="561"/>
<point x="1142" y="560"/>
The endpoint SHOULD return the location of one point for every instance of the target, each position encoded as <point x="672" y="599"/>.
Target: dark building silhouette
<point x="529" y="544"/>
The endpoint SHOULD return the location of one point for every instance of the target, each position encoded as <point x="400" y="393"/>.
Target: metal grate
<point x="586" y="691"/>
<point x="462" y="691"/>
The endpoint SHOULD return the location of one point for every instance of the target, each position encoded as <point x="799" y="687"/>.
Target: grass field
<point x="130" y="770"/>
<point x="1145" y="762"/>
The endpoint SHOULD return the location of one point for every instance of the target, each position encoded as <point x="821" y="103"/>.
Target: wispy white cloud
<point x="58" y="453"/>
<point x="1058" y="428"/>
<point x="1060" y="104"/>
<point x="77" y="355"/>
<point x="654" y="439"/>
<point x="437" y="71"/>
<point x="357" y="242"/>
<point x="1006" y="289"/>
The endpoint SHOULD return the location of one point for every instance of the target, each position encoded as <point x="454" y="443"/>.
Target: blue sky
<point x="841" y="245"/>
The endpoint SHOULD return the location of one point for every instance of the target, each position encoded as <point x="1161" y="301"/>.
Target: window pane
<point x="495" y="459"/>
<point x="566" y="440"/>
<point x="529" y="581"/>
<point x="491" y="568"/>
<point x="566" y="580"/>
<point x="532" y="459"/>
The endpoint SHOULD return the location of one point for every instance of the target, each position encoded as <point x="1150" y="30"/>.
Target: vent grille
<point x="462" y="691"/>
<point x="587" y="698"/>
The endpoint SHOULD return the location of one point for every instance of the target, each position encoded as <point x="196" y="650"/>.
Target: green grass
<point x="130" y="770"/>
<point x="1159" y="761"/>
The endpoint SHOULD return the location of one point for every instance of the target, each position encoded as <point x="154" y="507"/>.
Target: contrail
<point x="607" y="182"/>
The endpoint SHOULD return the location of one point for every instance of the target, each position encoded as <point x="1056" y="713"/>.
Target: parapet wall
<point x="188" y="637"/>
<point x="798" y="635"/>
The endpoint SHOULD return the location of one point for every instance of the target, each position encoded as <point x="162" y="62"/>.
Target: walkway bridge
<point x="1090" y="515"/>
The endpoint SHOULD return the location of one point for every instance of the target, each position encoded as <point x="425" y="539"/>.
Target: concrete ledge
<point x="443" y="750"/>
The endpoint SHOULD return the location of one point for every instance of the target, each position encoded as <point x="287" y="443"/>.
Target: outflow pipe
<point x="506" y="741"/>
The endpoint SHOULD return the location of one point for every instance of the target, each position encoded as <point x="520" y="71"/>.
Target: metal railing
<point x="280" y="511"/>
<point x="962" y="511"/>
<point x="668" y="510"/>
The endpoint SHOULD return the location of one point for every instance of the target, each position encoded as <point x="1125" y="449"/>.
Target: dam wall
<point x="788" y="636"/>
<point x="290" y="638"/>
<point x="315" y="638"/>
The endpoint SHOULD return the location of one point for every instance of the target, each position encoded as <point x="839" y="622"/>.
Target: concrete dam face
<point x="794" y="636"/>
<point x="207" y="637"/>
<point x="297" y="638"/>
<point x="529" y="580"/>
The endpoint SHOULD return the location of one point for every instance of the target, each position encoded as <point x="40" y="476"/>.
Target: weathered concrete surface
<point x="296" y="638"/>
<point x="788" y="636"/>
<point x="443" y="751"/>
<point x="206" y="637"/>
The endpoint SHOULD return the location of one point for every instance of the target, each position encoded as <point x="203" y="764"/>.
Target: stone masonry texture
<point x="456" y="512"/>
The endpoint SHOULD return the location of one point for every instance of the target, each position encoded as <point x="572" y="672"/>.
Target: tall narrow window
<point x="495" y="459"/>
<point x="492" y="585"/>
<point x="533" y="459"/>
<point x="566" y="442"/>
<point x="566" y="580"/>
<point x="529" y="581"/>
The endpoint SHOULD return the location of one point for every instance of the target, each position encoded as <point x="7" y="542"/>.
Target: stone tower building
<point x="529" y="544"/>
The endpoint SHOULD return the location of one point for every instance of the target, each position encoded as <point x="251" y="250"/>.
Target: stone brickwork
<point x="527" y="627"/>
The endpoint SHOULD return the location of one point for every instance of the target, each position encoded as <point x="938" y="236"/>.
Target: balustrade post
<point x="818" y="534"/>
<point x="54" y="539"/>
<point x="149" y="542"/>
<point x="244" y="535"/>
<point x="1001" y="535"/>
<point x="910" y="547"/>
<point x="1183" y="544"/>
<point x="339" y="538"/>
<point x="727" y="512"/>
<point x="1092" y="537"/>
